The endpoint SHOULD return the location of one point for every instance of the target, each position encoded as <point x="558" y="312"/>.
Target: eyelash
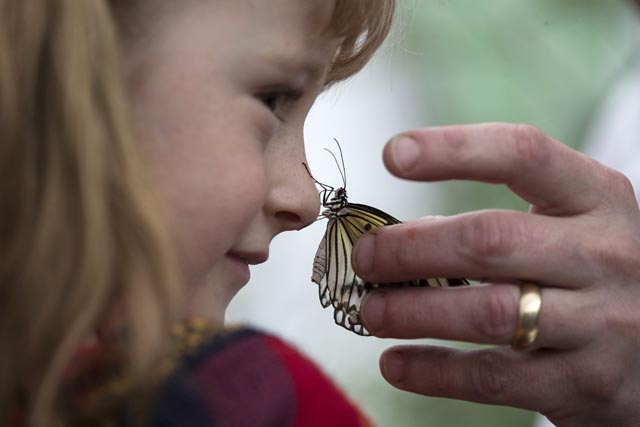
<point x="277" y="100"/>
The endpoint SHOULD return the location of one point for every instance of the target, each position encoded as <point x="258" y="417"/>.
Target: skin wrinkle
<point x="454" y="138"/>
<point x="531" y="149"/>
<point x="413" y="315"/>
<point x="438" y="377"/>
<point x="486" y="240"/>
<point x="487" y="378"/>
<point x="405" y="256"/>
<point x="500" y="311"/>
<point x="599" y="387"/>
<point x="458" y="155"/>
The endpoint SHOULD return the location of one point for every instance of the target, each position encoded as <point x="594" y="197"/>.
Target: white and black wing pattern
<point x="332" y="264"/>
<point x="349" y="287"/>
<point x="338" y="285"/>
<point x="319" y="275"/>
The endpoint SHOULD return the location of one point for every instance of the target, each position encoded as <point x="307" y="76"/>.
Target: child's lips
<point x="239" y="266"/>
<point x="240" y="262"/>
<point x="251" y="258"/>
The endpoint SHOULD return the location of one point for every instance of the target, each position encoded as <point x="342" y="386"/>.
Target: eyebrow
<point x="293" y="63"/>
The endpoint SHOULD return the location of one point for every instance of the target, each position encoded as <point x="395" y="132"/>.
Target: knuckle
<point x="487" y="378"/>
<point x="494" y="316"/>
<point x="611" y="258"/>
<point x="440" y="381"/>
<point x="620" y="185"/>
<point x="621" y="323"/>
<point x="530" y="147"/>
<point x="487" y="238"/>
<point x="404" y="249"/>
<point x="597" y="381"/>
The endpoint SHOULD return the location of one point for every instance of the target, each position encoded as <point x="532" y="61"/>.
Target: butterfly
<point x="338" y="285"/>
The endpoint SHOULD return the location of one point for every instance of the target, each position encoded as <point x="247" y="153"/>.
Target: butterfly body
<point x="338" y="284"/>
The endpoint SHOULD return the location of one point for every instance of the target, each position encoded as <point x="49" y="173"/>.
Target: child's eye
<point x="278" y="100"/>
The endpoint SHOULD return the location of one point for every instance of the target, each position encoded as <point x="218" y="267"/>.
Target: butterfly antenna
<point x="344" y="181"/>
<point x="325" y="187"/>
<point x="344" y="169"/>
<point x="326" y="191"/>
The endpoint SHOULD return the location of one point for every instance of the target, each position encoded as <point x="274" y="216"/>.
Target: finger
<point x="491" y="245"/>
<point x="546" y="173"/>
<point x="481" y="314"/>
<point x="494" y="376"/>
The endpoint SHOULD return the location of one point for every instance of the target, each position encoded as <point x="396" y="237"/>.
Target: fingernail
<point x="405" y="152"/>
<point x="393" y="366"/>
<point x="373" y="308"/>
<point x="363" y="253"/>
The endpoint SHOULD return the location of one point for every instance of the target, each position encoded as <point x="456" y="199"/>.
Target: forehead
<point x="306" y="19"/>
<point x="279" y="30"/>
<point x="283" y="28"/>
<point x="306" y="16"/>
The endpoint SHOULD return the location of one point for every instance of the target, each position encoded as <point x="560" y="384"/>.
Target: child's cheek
<point x="217" y="214"/>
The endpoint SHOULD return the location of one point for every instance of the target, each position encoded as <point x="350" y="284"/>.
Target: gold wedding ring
<point x="528" y="315"/>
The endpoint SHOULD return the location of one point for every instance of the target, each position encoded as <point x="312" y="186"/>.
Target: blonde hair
<point x="80" y="232"/>
<point x="361" y="26"/>
<point x="80" y="229"/>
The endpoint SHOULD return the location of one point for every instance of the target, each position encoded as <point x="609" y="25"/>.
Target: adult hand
<point x="580" y="242"/>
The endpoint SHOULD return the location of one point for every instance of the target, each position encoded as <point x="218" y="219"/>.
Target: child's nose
<point x="298" y="205"/>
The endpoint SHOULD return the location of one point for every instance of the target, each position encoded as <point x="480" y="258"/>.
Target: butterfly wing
<point x="353" y="221"/>
<point x="332" y="270"/>
<point x="319" y="275"/>
<point x="332" y="264"/>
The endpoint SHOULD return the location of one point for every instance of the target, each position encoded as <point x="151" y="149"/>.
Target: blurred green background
<point x="548" y="63"/>
<point x="544" y="62"/>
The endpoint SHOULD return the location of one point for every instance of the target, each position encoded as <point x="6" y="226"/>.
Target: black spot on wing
<point x="457" y="282"/>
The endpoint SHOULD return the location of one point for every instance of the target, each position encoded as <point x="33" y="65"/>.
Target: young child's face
<point x="221" y="90"/>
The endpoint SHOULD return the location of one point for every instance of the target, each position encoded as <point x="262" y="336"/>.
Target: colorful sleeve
<point x="319" y="402"/>
<point x="249" y="378"/>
